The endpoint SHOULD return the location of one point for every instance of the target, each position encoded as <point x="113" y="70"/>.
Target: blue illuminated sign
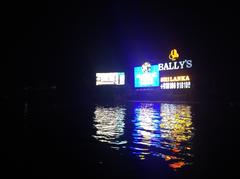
<point x="146" y="78"/>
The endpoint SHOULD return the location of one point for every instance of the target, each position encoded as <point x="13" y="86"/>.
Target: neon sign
<point x="176" y="85"/>
<point x="176" y="64"/>
<point x="173" y="55"/>
<point x="174" y="78"/>
<point x="175" y="82"/>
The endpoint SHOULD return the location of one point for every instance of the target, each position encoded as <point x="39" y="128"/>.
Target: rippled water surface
<point x="160" y="130"/>
<point x="44" y="139"/>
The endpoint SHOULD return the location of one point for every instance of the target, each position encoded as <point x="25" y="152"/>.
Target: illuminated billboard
<point x="146" y="76"/>
<point x="177" y="77"/>
<point x="175" y="82"/>
<point x="174" y="64"/>
<point x="115" y="78"/>
<point x="171" y="80"/>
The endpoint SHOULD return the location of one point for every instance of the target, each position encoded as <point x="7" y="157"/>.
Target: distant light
<point x="177" y="165"/>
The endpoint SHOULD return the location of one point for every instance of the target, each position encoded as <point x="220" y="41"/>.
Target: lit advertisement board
<point x="146" y="76"/>
<point x="175" y="82"/>
<point x="115" y="78"/>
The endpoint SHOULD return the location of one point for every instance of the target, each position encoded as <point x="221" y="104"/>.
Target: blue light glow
<point x="149" y="79"/>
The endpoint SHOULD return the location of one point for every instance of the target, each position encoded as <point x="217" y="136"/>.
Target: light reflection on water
<point x="163" y="131"/>
<point x="158" y="130"/>
<point x="109" y="124"/>
<point x="146" y="129"/>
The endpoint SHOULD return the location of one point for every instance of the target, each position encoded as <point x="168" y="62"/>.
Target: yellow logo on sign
<point x="173" y="55"/>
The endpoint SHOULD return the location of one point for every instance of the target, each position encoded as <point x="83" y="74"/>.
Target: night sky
<point x="65" y="43"/>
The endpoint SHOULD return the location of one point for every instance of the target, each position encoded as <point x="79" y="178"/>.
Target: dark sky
<point x="64" y="43"/>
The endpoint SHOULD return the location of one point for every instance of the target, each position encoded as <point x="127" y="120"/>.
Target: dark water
<point x="148" y="131"/>
<point x="43" y="138"/>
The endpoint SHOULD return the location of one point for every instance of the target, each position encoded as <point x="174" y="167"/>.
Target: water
<point x="43" y="138"/>
<point x="156" y="130"/>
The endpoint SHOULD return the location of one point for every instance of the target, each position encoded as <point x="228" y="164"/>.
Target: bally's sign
<point x="175" y="65"/>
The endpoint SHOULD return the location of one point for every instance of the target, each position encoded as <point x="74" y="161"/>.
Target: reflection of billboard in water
<point x="115" y="78"/>
<point x="164" y="131"/>
<point x="146" y="79"/>
<point x="157" y="130"/>
<point x="109" y="125"/>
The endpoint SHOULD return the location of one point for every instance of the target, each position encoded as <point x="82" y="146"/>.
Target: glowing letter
<point x="189" y="63"/>
<point x="175" y="65"/>
<point x="160" y="66"/>
<point x="181" y="63"/>
<point x="165" y="66"/>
